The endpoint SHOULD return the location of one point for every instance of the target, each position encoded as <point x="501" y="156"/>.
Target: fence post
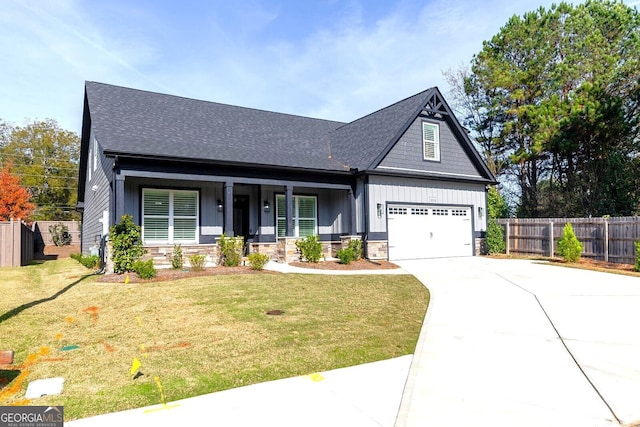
<point x="606" y="240"/>
<point x="551" y="238"/>
<point x="506" y="236"/>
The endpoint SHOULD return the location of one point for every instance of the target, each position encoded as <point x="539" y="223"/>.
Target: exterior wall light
<point x="379" y="209"/>
<point x="267" y="206"/>
<point x="219" y="205"/>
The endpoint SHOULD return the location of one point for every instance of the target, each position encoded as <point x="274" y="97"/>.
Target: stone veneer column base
<point x="287" y="249"/>
<point x="377" y="249"/>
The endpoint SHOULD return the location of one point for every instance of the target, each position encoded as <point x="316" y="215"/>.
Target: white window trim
<point x="90" y="165"/>
<point x="435" y="142"/>
<point x="296" y="218"/>
<point x="172" y="217"/>
<point x="95" y="154"/>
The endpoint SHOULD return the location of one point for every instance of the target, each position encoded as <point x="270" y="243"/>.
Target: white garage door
<point x="428" y="231"/>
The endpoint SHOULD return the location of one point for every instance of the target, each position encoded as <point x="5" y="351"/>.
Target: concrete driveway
<point x="519" y="343"/>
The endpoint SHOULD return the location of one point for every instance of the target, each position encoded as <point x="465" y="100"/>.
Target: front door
<point x="241" y="216"/>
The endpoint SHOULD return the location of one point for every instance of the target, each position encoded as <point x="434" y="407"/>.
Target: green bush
<point x="569" y="247"/>
<point x="231" y="249"/>
<point x="126" y="244"/>
<point x="89" y="261"/>
<point x="258" y="261"/>
<point x="177" y="261"/>
<point x="197" y="262"/>
<point x="495" y="238"/>
<point x="144" y="269"/>
<point x="637" y="265"/>
<point x="60" y="234"/>
<point x="311" y="248"/>
<point x="356" y="247"/>
<point x="346" y="255"/>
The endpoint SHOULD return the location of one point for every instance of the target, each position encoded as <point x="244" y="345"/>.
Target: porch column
<point x="288" y="201"/>
<point x="352" y="204"/>
<point x="119" y="198"/>
<point x="228" y="208"/>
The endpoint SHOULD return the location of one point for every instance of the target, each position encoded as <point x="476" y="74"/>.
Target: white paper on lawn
<point x="46" y="387"/>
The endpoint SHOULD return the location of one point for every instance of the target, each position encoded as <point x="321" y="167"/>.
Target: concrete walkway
<point x="517" y="343"/>
<point x="360" y="396"/>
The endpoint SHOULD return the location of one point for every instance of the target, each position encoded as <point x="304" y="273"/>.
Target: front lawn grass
<point x="196" y="335"/>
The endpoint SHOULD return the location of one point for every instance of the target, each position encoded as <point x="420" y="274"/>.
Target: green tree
<point x="126" y="244"/>
<point x="45" y="157"/>
<point x="569" y="247"/>
<point x="497" y="207"/>
<point x="557" y="93"/>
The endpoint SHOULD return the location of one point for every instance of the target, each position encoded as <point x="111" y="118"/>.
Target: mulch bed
<point x="171" y="274"/>
<point x="361" y="264"/>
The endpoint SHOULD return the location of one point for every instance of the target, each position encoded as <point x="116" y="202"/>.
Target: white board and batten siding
<point x="440" y="219"/>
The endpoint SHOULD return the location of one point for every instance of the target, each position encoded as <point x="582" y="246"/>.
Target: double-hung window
<point x="431" y="141"/>
<point x="305" y="222"/>
<point x="169" y="216"/>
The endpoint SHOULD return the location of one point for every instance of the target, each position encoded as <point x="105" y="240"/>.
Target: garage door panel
<point x="428" y="231"/>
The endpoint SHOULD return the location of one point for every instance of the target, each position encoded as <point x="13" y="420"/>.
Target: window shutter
<point x="431" y="143"/>
<point x="281" y="216"/>
<point x="185" y="204"/>
<point x="156" y="215"/>
<point x="306" y="216"/>
<point x="166" y="210"/>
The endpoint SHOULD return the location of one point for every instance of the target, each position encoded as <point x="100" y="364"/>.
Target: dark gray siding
<point x="407" y="154"/>
<point x="97" y="197"/>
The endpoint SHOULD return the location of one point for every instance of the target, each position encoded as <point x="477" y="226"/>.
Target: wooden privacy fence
<point x="608" y="239"/>
<point x="16" y="244"/>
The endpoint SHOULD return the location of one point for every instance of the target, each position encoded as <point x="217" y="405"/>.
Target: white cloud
<point x="339" y="66"/>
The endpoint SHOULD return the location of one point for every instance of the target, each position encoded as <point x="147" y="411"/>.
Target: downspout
<point x="365" y="235"/>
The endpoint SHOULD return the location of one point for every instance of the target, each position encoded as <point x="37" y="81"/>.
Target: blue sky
<point x="330" y="59"/>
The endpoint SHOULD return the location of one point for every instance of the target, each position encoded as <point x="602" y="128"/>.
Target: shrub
<point x="356" y="246"/>
<point x="126" y="244"/>
<point x="231" y="249"/>
<point x="60" y="234"/>
<point x="637" y="265"/>
<point x="89" y="261"/>
<point x="197" y="262"/>
<point x="346" y="255"/>
<point x="569" y="247"/>
<point x="311" y="248"/>
<point x="258" y="261"/>
<point x="177" y="261"/>
<point x="495" y="238"/>
<point x="144" y="269"/>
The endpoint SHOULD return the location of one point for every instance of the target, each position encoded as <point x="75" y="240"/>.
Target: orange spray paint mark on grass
<point x="14" y="387"/>
<point x="109" y="348"/>
<point x="24" y="402"/>
<point x="58" y="337"/>
<point x="69" y="319"/>
<point x="93" y="310"/>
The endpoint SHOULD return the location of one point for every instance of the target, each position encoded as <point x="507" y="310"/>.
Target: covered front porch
<point x="194" y="210"/>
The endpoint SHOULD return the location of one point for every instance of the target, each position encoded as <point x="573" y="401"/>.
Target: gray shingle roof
<point x="139" y="123"/>
<point x="135" y="122"/>
<point x="360" y="142"/>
